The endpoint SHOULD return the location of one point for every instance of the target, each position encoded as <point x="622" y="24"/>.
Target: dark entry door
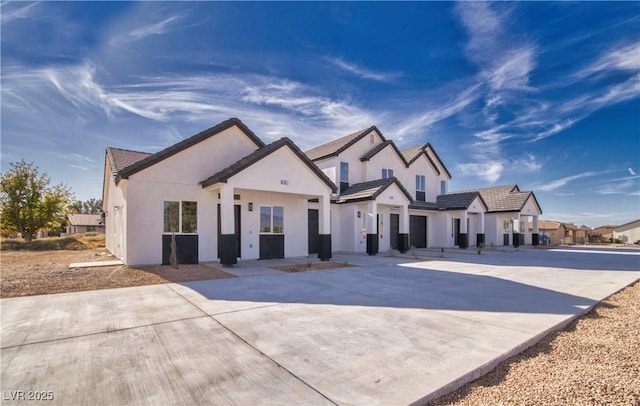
<point x="456" y="232"/>
<point x="418" y="231"/>
<point x="394" y="230"/>
<point x="314" y="231"/>
<point x="236" y="214"/>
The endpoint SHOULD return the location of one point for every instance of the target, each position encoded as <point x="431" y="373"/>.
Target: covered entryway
<point x="276" y="183"/>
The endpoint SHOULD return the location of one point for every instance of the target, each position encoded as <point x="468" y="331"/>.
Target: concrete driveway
<point x="390" y="331"/>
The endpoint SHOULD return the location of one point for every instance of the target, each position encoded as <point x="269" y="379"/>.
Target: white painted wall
<point x="200" y="161"/>
<point x="113" y="205"/>
<point x="422" y="166"/>
<point x="628" y="233"/>
<point x="385" y="159"/>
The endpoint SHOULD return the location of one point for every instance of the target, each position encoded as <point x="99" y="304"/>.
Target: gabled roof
<point x="370" y="190"/>
<point x="123" y="158"/>
<point x="504" y="198"/>
<point x="457" y="201"/>
<point x="413" y="153"/>
<point x="546" y="225"/>
<point x="335" y="147"/>
<point x="85" y="219"/>
<point x="378" y="148"/>
<point x="224" y="175"/>
<point x="152" y="159"/>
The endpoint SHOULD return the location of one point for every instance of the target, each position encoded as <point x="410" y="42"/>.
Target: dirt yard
<point x="312" y="266"/>
<point x="26" y="273"/>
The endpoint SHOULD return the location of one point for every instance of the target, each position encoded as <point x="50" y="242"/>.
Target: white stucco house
<point x="509" y="211"/>
<point x="628" y="232"/>
<point x="222" y="192"/>
<point x="225" y="195"/>
<point x="387" y="198"/>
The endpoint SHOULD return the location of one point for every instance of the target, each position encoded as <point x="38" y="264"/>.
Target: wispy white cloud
<point x="631" y="172"/>
<point x="362" y="71"/>
<point x="487" y="171"/>
<point x="558" y="183"/>
<point x="624" y="57"/>
<point x="10" y="11"/>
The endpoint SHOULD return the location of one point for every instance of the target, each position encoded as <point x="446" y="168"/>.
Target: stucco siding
<point x="200" y="161"/>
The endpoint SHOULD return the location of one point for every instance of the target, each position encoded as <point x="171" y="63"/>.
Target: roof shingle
<point x="336" y="146"/>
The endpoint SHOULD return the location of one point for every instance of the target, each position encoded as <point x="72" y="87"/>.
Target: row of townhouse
<point x="225" y="195"/>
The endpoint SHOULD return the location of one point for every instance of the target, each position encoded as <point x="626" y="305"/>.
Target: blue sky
<point x="542" y="94"/>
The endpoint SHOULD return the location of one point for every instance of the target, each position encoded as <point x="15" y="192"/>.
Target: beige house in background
<point x="601" y="234"/>
<point x="84" y="223"/>
<point x="561" y="233"/>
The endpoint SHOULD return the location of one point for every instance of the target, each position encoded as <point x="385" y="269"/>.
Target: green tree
<point x="91" y="206"/>
<point x="28" y="203"/>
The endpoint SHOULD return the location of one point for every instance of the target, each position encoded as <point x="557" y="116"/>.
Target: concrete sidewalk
<point x="391" y="331"/>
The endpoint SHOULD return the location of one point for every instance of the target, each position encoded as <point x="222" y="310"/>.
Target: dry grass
<point x="86" y="241"/>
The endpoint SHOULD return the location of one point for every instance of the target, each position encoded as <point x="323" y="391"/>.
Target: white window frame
<point x="387" y="173"/>
<point x="180" y="213"/>
<point x="271" y="220"/>
<point x="421" y="183"/>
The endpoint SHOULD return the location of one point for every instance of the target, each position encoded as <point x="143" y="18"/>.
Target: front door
<point x="314" y="231"/>
<point x="418" y="231"/>
<point x="394" y="230"/>
<point x="456" y="232"/>
<point x="236" y="215"/>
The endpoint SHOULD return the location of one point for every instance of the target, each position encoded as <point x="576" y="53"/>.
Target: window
<point x="171" y="217"/>
<point x="272" y="219"/>
<point x="190" y="217"/>
<point x="420" y="183"/>
<point x="180" y="217"/>
<point x="443" y="187"/>
<point x="344" y="172"/>
<point x="420" y="188"/>
<point x="387" y="173"/>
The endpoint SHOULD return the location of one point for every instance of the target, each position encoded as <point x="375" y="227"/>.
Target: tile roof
<point x="151" y="159"/>
<point x="370" y="190"/>
<point x="413" y="153"/>
<point x="336" y="146"/>
<point x="85" y="219"/>
<point x="238" y="166"/>
<point x="546" y="225"/>
<point x="502" y="198"/>
<point x="123" y="158"/>
<point x="378" y="148"/>
<point x="423" y="205"/>
<point x="457" y="201"/>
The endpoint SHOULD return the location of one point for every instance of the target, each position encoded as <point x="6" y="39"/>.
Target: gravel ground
<point x="594" y="361"/>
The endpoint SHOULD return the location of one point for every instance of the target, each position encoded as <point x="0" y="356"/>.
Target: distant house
<point x="628" y="232"/>
<point x="602" y="234"/>
<point x="84" y="223"/>
<point x="508" y="212"/>
<point x="551" y="231"/>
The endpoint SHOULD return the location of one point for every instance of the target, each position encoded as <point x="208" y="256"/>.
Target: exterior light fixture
<point x="250" y="206"/>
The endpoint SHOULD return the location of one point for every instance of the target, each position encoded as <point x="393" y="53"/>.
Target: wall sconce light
<point x="116" y="208"/>
<point x="250" y="206"/>
<point x="359" y="214"/>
